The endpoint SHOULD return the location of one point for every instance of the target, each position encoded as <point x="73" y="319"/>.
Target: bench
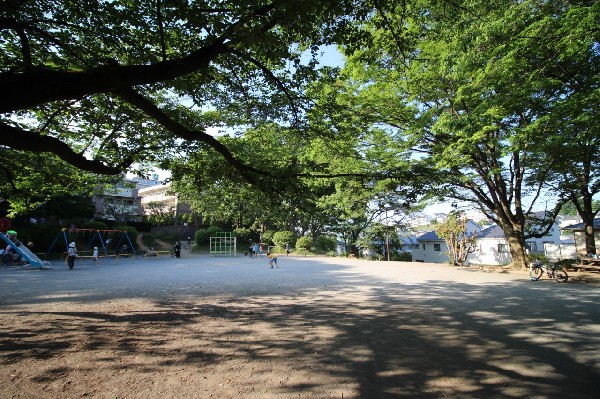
<point x="585" y="266"/>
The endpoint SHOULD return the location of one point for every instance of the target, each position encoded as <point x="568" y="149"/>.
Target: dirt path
<point x="201" y="327"/>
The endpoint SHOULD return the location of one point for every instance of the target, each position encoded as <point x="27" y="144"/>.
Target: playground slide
<point x="27" y="255"/>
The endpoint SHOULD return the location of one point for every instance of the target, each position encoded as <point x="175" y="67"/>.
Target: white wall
<point x="487" y="252"/>
<point x="429" y="254"/>
<point x="556" y="252"/>
<point x="552" y="238"/>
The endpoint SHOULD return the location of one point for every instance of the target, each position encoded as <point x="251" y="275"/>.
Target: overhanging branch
<point x="24" y="140"/>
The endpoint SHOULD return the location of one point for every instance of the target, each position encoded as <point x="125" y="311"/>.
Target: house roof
<point x="432" y="235"/>
<point x="429" y="236"/>
<point x="579" y="226"/>
<point x="491" y="232"/>
<point x="408" y="240"/>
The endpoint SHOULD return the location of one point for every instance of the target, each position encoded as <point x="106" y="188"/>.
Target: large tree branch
<point x="43" y="85"/>
<point x="24" y="140"/>
<point x="34" y="88"/>
<point x="139" y="101"/>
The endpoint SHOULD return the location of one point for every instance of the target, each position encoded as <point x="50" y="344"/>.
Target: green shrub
<point x="540" y="257"/>
<point x="281" y="238"/>
<point x="277" y="250"/>
<point x="42" y="236"/>
<point x="242" y="234"/>
<point x="403" y="257"/>
<point x="131" y="232"/>
<point x="168" y="238"/>
<point x="326" y="244"/>
<point x="202" y="236"/>
<point x="304" y="242"/>
<point x="149" y="240"/>
<point x="267" y="237"/>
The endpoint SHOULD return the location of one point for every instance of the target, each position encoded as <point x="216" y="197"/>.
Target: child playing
<point x="95" y="256"/>
<point x="272" y="259"/>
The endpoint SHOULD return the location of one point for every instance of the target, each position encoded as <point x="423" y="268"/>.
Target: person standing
<point x="260" y="250"/>
<point x="287" y="249"/>
<point x="178" y="249"/>
<point x="71" y="255"/>
<point x="95" y="256"/>
<point x="255" y="249"/>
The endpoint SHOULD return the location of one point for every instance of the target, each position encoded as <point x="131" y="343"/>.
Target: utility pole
<point x="387" y="236"/>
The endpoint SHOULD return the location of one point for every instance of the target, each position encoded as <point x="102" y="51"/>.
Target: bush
<point x="168" y="238"/>
<point x="403" y="257"/>
<point x="540" y="257"/>
<point x="326" y="244"/>
<point x="267" y="237"/>
<point x="42" y="235"/>
<point x="277" y="250"/>
<point x="304" y="242"/>
<point x="149" y="240"/>
<point x="202" y="236"/>
<point x="242" y="234"/>
<point x="284" y="237"/>
<point x="131" y="232"/>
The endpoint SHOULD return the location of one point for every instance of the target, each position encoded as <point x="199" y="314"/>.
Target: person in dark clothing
<point x="178" y="249"/>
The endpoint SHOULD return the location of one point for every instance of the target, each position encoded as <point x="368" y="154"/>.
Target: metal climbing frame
<point x="223" y="244"/>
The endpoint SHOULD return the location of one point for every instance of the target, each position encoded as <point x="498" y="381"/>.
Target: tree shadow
<point x="356" y="336"/>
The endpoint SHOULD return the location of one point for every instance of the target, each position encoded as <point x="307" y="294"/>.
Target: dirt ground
<point x="206" y="327"/>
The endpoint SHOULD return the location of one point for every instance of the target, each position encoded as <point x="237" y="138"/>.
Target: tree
<point x="104" y="84"/>
<point x="475" y="90"/>
<point x="41" y="185"/>
<point x="159" y="212"/>
<point x="459" y="240"/>
<point x="571" y="210"/>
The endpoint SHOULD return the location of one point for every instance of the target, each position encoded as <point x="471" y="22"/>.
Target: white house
<point x="408" y="243"/>
<point x="432" y="248"/>
<point x="492" y="246"/>
<point x="579" y="237"/>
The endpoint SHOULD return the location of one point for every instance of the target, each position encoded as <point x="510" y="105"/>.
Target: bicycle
<point x="557" y="273"/>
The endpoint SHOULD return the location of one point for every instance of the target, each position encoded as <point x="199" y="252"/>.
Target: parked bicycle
<point x="556" y="272"/>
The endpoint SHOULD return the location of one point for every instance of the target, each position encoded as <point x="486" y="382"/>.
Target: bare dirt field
<point x="206" y="327"/>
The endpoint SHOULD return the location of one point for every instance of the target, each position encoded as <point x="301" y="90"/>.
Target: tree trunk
<point x="587" y="216"/>
<point x="516" y="244"/>
<point x="590" y="240"/>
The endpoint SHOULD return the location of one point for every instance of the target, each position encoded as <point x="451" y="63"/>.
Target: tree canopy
<point x="104" y="84"/>
<point x="469" y="89"/>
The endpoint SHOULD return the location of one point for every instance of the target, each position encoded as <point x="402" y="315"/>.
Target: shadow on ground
<point x="341" y="334"/>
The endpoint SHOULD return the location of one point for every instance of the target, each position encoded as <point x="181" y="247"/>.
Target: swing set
<point x="117" y="240"/>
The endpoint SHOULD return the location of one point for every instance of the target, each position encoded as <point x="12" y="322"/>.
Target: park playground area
<point x="316" y="327"/>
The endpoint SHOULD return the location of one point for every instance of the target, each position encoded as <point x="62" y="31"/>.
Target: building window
<point x="437" y="247"/>
<point x="532" y="246"/>
<point x="502" y="248"/>
<point x="423" y="246"/>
